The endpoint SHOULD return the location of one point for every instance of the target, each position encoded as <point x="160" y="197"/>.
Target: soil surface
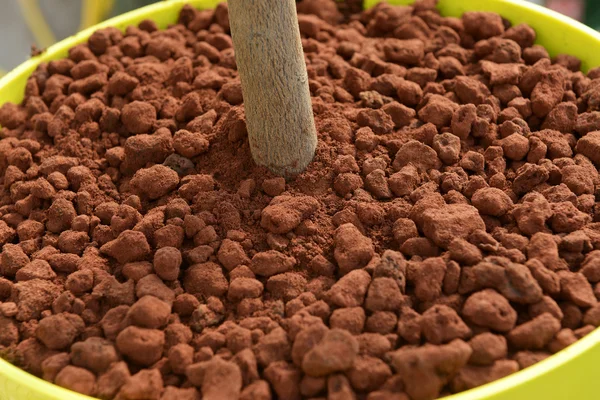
<point x="446" y="234"/>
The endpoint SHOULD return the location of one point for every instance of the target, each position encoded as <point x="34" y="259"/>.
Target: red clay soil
<point x="446" y="234"/>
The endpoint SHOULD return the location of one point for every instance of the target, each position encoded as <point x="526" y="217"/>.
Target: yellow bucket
<point x="569" y="374"/>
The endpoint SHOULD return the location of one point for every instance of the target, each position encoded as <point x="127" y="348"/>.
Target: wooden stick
<point x="270" y="60"/>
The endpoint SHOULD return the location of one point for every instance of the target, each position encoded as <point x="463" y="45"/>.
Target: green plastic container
<point x="570" y="374"/>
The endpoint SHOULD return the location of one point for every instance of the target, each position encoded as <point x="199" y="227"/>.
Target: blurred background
<point x="43" y="22"/>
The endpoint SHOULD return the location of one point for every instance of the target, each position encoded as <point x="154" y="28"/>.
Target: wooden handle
<point x="270" y="60"/>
